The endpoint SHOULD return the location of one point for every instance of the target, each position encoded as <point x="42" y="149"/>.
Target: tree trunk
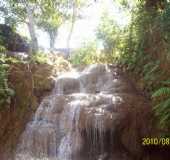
<point x="52" y="35"/>
<point x="72" y="25"/>
<point x="34" y="42"/>
<point x="31" y="27"/>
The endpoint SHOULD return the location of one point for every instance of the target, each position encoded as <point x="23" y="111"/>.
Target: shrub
<point x="89" y="54"/>
<point x="39" y="57"/>
<point x="5" y="91"/>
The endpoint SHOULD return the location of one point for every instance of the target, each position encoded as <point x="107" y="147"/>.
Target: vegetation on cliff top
<point x="146" y="54"/>
<point x="41" y="68"/>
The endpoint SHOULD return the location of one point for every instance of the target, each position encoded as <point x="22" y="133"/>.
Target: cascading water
<point x="74" y="122"/>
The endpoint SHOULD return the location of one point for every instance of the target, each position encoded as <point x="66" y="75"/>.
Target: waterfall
<point x="74" y="120"/>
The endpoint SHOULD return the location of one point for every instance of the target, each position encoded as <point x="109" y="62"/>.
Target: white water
<point x="78" y="112"/>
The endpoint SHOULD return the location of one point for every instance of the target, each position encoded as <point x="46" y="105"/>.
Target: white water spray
<point x="78" y="104"/>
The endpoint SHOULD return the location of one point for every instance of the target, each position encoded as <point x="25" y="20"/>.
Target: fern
<point x="164" y="91"/>
<point x="167" y="82"/>
<point x="162" y="106"/>
<point x="162" y="109"/>
<point x="164" y="120"/>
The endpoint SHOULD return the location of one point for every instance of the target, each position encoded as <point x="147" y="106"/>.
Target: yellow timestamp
<point x="156" y="141"/>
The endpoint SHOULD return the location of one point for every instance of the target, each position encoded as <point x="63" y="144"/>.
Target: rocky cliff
<point x="30" y="82"/>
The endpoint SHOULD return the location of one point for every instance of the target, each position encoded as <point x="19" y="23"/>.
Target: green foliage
<point x="50" y="17"/>
<point x="40" y="58"/>
<point x="164" y="91"/>
<point x="84" y="55"/>
<point x="5" y="91"/>
<point x="2" y="49"/>
<point x="53" y="14"/>
<point x="109" y="33"/>
<point x="90" y="54"/>
<point x="13" y="12"/>
<point x="162" y="107"/>
<point x="145" y="53"/>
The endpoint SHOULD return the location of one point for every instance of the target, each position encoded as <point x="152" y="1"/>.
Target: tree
<point x="21" y="11"/>
<point x="156" y="4"/>
<point x="50" y="17"/>
<point x="108" y="31"/>
<point x="73" y="19"/>
<point x="54" y="13"/>
<point x="46" y="14"/>
<point x="31" y="24"/>
<point x="76" y="6"/>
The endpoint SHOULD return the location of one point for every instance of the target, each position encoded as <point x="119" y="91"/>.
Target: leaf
<point x="166" y="82"/>
<point x="11" y="92"/>
<point x="163" y="106"/>
<point x="164" y="119"/>
<point x="164" y="91"/>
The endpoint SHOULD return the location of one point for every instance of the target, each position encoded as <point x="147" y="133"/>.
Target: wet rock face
<point x="90" y="115"/>
<point x="68" y="85"/>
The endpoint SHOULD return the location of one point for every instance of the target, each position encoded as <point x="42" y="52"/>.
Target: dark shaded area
<point x="156" y="152"/>
<point x="11" y="40"/>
